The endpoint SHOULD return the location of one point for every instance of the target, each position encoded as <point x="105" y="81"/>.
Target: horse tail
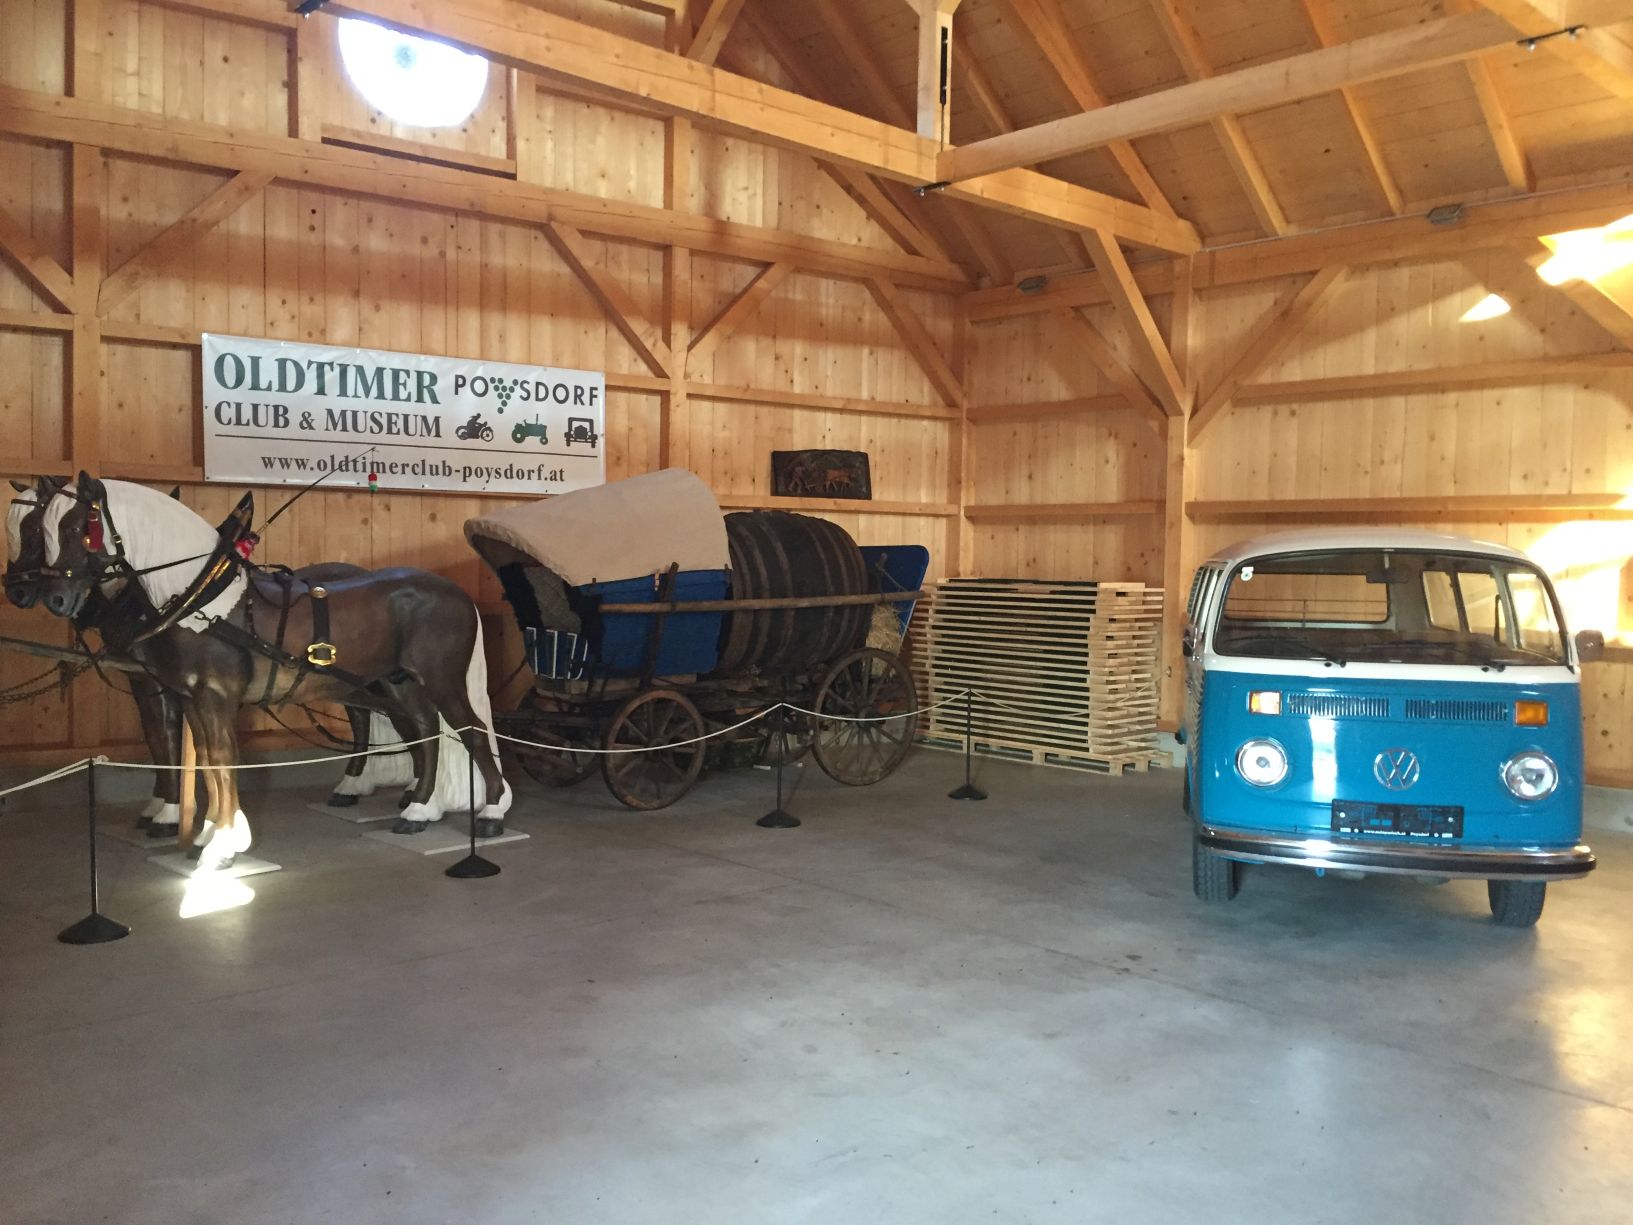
<point x="476" y="692"/>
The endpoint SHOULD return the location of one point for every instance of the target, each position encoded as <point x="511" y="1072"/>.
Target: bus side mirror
<point x="1187" y="644"/>
<point x="1590" y="646"/>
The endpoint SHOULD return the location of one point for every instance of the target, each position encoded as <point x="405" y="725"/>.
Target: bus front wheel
<point x="1213" y="877"/>
<point x="1516" y="903"/>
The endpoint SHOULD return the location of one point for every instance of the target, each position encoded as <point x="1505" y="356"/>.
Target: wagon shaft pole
<point x="64" y="654"/>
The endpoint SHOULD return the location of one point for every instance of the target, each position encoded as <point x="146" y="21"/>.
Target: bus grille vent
<point x="1457" y="710"/>
<point x="1336" y="706"/>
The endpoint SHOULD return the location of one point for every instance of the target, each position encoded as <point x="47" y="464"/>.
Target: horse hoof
<point x="404" y="800"/>
<point x="404" y="826"/>
<point x="155" y="830"/>
<point x="490" y="827"/>
<point x="336" y="800"/>
<point x="143" y="822"/>
<point x="193" y="852"/>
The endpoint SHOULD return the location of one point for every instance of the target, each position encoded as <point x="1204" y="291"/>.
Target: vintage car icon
<point x="581" y="429"/>
<point x="530" y="429"/>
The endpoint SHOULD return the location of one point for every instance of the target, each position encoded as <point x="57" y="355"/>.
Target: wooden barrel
<point x="778" y="555"/>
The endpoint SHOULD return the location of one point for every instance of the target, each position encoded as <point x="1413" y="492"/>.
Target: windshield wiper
<point x="1291" y="640"/>
<point x="1469" y="650"/>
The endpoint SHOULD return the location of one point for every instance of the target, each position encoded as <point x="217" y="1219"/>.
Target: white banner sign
<point x="279" y="412"/>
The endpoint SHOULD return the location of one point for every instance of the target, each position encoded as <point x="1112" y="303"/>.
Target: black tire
<point x="1516" y="903"/>
<point x="1185" y="797"/>
<point x="1213" y="877"/>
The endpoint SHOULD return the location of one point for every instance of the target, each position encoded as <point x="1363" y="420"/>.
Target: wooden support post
<point x="1177" y="489"/>
<point x="308" y="53"/>
<point x="960" y="539"/>
<point x="935" y="92"/>
<point x="85" y="396"/>
<point x="188" y="816"/>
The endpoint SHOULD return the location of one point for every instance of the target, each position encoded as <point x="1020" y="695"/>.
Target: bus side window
<point x="1441" y="601"/>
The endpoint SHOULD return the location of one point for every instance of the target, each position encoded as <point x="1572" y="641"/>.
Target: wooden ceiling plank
<point x="574" y="250"/>
<point x="1148" y="342"/>
<point x="1041" y="19"/>
<point x="41" y="271"/>
<point x="1325" y="30"/>
<point x="739" y="310"/>
<point x="1308" y="74"/>
<point x="51" y="117"/>
<point x="1244" y="162"/>
<point x="918" y="340"/>
<point x="712" y="30"/>
<point x="1285" y="321"/>
<point x="179" y="238"/>
<point x="555" y="47"/>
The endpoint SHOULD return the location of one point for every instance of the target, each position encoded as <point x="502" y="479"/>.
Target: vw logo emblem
<point x="1396" y="769"/>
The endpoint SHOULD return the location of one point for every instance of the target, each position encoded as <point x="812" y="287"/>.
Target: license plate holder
<point x="1437" y="821"/>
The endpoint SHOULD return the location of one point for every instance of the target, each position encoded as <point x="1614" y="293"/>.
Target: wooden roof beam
<point x="309" y="164"/>
<point x="1510" y="155"/>
<point x="1244" y="162"/>
<point x="1042" y="22"/>
<point x="1163" y="375"/>
<point x="716" y="23"/>
<point x="1375" y="57"/>
<point x="1321" y="25"/>
<point x="918" y="340"/>
<point x="935" y="92"/>
<point x="557" y="48"/>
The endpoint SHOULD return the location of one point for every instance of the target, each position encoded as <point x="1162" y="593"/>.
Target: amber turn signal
<point x="1530" y="714"/>
<point x="1264" y="701"/>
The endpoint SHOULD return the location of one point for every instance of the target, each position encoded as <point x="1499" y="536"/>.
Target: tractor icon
<point x="530" y="429"/>
<point x="581" y="429"/>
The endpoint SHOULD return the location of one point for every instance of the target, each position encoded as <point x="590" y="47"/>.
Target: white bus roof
<point x="1316" y="539"/>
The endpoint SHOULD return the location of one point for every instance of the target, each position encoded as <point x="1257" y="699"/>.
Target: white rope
<point x="923" y="710"/>
<point x="395" y="747"/>
<point x="53" y="776"/>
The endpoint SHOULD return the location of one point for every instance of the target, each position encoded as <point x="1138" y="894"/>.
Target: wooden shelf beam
<point x="1520" y="372"/>
<point x="834" y="506"/>
<point x="1536" y="507"/>
<point x="1028" y="512"/>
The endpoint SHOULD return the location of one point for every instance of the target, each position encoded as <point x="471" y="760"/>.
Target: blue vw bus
<point x="1371" y="700"/>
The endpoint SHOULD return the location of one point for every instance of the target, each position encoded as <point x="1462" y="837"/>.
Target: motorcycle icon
<point x="530" y="429"/>
<point x="475" y="428"/>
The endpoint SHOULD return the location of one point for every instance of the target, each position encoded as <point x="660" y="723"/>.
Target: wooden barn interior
<point x="1132" y="280"/>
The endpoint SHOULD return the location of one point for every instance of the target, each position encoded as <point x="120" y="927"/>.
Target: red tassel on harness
<point x="246" y="544"/>
<point x="93" y="529"/>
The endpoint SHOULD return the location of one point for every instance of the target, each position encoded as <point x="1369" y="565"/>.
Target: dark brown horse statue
<point x="224" y="634"/>
<point x="158" y="709"/>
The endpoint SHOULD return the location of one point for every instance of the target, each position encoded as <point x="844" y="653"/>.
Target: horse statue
<point x="159" y="710"/>
<point x="404" y="643"/>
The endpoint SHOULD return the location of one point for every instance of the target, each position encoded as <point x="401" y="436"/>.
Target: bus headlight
<point x="1262" y="762"/>
<point x="1530" y="775"/>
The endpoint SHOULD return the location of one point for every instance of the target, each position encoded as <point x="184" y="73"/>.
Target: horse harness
<point x="230" y="557"/>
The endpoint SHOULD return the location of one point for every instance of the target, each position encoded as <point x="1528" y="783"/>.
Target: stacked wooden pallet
<point x="1065" y="673"/>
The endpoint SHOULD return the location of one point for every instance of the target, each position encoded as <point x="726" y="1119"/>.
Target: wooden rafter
<point x="1163" y="376"/>
<point x="1516" y="166"/>
<point x="716" y="23"/>
<point x="1286" y="319"/>
<point x="1608" y="301"/>
<point x="48" y="117"/>
<point x="740" y="309"/>
<point x="43" y="272"/>
<point x="1049" y="34"/>
<point x="919" y="342"/>
<point x="1322" y="26"/>
<point x="903" y="219"/>
<point x="1120" y="374"/>
<point x="179" y="238"/>
<point x="575" y="251"/>
<point x="1244" y="162"/>
<point x="884" y="100"/>
<point x="1482" y="227"/>
<point x="557" y="48"/>
<point x="1375" y="57"/>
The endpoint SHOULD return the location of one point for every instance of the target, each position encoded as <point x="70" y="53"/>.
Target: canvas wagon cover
<point x="621" y="530"/>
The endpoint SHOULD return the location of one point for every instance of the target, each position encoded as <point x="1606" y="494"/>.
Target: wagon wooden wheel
<point x="554" y="767"/>
<point x="788" y="745"/>
<point x="658" y="778"/>
<point x="875" y="687"/>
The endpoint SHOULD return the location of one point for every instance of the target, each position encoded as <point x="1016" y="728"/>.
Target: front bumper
<point x="1399" y="859"/>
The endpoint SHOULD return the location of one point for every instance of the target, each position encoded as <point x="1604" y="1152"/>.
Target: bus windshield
<point x="1391" y="606"/>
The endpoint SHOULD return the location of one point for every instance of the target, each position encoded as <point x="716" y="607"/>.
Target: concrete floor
<point x="906" y="1011"/>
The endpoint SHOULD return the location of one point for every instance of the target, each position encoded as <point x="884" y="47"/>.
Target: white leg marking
<point x="153" y="807"/>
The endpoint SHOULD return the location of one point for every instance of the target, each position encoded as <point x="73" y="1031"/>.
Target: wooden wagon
<point x="658" y="627"/>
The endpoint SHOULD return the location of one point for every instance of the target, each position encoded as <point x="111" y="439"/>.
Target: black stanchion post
<point x="778" y="817"/>
<point x="968" y="790"/>
<point x="96" y="927"/>
<point x="473" y="866"/>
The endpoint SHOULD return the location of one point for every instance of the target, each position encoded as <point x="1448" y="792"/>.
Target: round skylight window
<point x="416" y="81"/>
